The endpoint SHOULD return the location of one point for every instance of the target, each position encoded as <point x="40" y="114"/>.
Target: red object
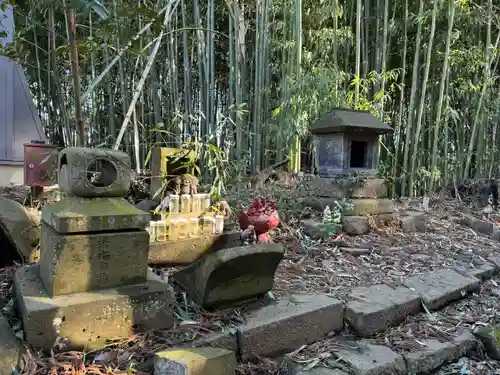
<point x="40" y="164"/>
<point x="263" y="215"/>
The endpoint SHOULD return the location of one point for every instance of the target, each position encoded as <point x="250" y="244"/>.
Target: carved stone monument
<point x="347" y="141"/>
<point x="231" y="276"/>
<point x="91" y="284"/>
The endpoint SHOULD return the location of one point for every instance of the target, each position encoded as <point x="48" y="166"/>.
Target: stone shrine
<point x="91" y="284"/>
<point x="347" y="141"/>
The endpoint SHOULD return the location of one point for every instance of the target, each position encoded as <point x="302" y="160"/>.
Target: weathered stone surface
<point x="11" y="349"/>
<point x="483" y="270"/>
<point x="440" y="287"/>
<point x="370" y="188"/>
<point x="217" y="340"/>
<point x="435" y="354"/>
<point x="88" y="319"/>
<point x="294" y="368"/>
<point x="288" y="324"/>
<point x="196" y="361"/>
<point x="490" y="338"/>
<point x="191" y="249"/>
<point x="370" y="206"/>
<point x="495" y="259"/>
<point x="316" y="229"/>
<point x="355" y="225"/>
<point x="480" y="226"/>
<point x="21" y="227"/>
<point x="113" y="167"/>
<point x="231" y="275"/>
<point x="367" y="359"/>
<point x="373" y="309"/>
<point x="413" y="221"/>
<point x="326" y="188"/>
<point x="76" y="215"/>
<point x="85" y="262"/>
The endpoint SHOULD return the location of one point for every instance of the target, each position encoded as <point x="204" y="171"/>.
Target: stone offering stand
<point x="91" y="282"/>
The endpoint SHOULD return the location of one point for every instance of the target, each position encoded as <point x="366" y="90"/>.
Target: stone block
<point x="413" y="221"/>
<point x="197" y="361"/>
<point x="231" y="275"/>
<point x="21" y="226"/>
<point x="370" y="206"/>
<point x="316" y="229"/>
<point x="11" y="349"/>
<point x="89" y="319"/>
<point x="373" y="309"/>
<point x="370" y="188"/>
<point x="477" y="225"/>
<point x="355" y="251"/>
<point x="495" y="259"/>
<point x="440" y="287"/>
<point x="355" y="225"/>
<point x="217" y="340"/>
<point x="490" y="338"/>
<point x="294" y="368"/>
<point x="435" y="354"/>
<point x="189" y="250"/>
<point x="77" y="215"/>
<point x="85" y="262"/>
<point x="367" y="359"/>
<point x="289" y="323"/>
<point x="483" y="271"/>
<point x="94" y="172"/>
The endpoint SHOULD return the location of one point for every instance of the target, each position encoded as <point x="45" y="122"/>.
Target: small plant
<point x="332" y="218"/>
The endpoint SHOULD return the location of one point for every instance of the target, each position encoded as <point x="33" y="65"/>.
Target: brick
<point x="196" y="361"/>
<point x="88" y="319"/>
<point x="370" y="188"/>
<point x="370" y="206"/>
<point x="440" y="287"/>
<point x="367" y="359"/>
<point x="436" y="354"/>
<point x="288" y="324"/>
<point x="373" y="309"/>
<point x="85" y="262"/>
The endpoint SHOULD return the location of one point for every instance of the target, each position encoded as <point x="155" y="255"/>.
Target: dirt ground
<point x="313" y="266"/>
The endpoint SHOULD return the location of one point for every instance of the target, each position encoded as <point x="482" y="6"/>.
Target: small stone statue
<point x="177" y="185"/>
<point x="189" y="184"/>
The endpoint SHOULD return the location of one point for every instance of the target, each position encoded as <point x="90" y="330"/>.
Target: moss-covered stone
<point x="88" y="320"/>
<point x="490" y="338"/>
<point x="231" y="275"/>
<point x="370" y="206"/>
<point x="84" y="262"/>
<point x="73" y="168"/>
<point x="76" y="215"/>
<point x="195" y="361"/>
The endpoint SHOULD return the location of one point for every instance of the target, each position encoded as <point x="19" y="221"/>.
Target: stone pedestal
<point x="91" y="284"/>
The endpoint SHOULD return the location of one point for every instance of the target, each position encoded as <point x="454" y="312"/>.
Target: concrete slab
<point x="483" y="271"/>
<point x="197" y="361"/>
<point x="435" y="354"/>
<point x="89" y="319"/>
<point x="373" y="309"/>
<point x="289" y="323"/>
<point x="84" y="262"/>
<point x="367" y="359"/>
<point x="217" y="340"/>
<point x="180" y="252"/>
<point x="440" y="287"/>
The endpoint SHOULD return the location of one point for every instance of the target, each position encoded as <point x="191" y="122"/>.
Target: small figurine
<point x="177" y="185"/>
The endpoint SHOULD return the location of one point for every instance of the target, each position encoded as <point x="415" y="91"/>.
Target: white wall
<point x="11" y="174"/>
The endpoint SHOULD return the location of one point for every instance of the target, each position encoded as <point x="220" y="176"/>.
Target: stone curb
<point x="299" y="320"/>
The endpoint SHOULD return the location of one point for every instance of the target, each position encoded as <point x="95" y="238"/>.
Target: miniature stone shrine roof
<point x="340" y="120"/>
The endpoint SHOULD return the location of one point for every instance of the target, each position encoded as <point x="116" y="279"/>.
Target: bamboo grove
<point x="246" y="78"/>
